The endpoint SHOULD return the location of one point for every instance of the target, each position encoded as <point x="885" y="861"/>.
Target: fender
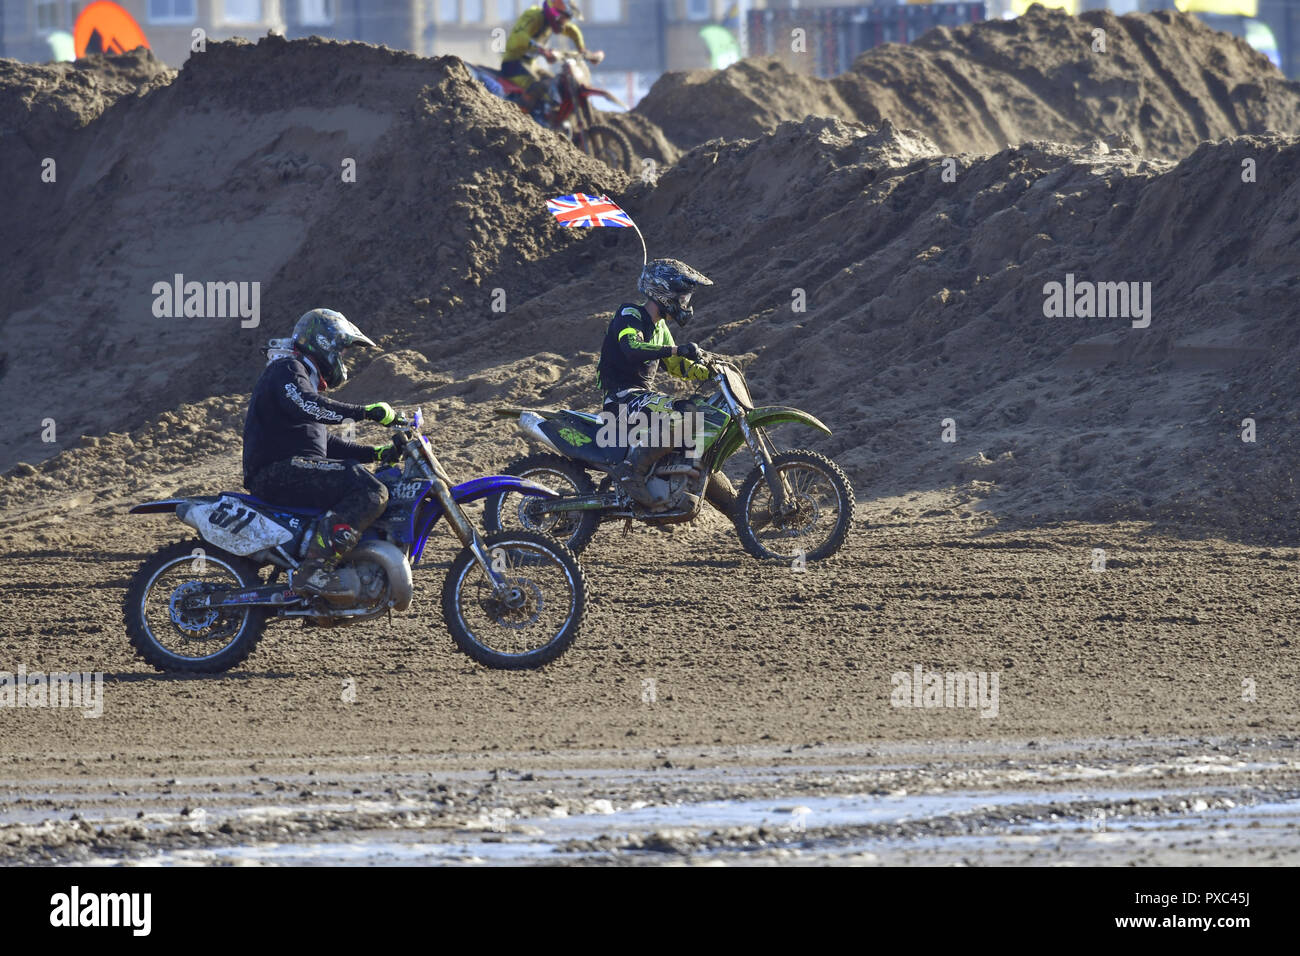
<point x="779" y="414"/>
<point x="177" y="506"/>
<point x="760" y="417"/>
<point x="472" y="491"/>
<point x="492" y="484"/>
<point x="156" y="507"/>
<point x="513" y="411"/>
<point x="587" y="92"/>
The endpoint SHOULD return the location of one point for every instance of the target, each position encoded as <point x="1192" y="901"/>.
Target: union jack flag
<point x="583" y="210"/>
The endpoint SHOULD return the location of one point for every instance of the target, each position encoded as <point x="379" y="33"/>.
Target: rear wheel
<point x="610" y="146"/>
<point x="169" y="632"/>
<point x="529" y="623"/>
<point x="511" y="510"/>
<point x="820" y="513"/>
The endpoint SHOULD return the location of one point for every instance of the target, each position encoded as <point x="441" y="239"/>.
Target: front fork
<point x="463" y="528"/>
<point x="757" y="443"/>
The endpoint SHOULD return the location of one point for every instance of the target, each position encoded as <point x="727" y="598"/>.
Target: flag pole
<point x="645" y="256"/>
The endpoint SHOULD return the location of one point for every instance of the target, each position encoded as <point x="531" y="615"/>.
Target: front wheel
<point x="529" y="623"/>
<point x="610" y="146"/>
<point x="819" y="509"/>
<point x="174" y="635"/>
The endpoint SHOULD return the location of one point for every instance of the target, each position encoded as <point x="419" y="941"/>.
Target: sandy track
<point x="738" y="653"/>
<point x="708" y="700"/>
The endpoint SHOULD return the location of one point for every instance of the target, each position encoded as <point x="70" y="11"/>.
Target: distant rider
<point x="290" y="458"/>
<point x="637" y="343"/>
<point x="528" y="39"/>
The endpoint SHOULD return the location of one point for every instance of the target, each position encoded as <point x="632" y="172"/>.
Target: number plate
<point x="235" y="527"/>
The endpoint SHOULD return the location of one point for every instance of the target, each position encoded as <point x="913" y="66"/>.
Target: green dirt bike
<point x="794" y="504"/>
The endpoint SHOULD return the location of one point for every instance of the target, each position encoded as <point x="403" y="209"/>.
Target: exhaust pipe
<point x="401" y="586"/>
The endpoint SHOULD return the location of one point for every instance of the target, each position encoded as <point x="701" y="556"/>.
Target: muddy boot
<point x="630" y="475"/>
<point x="720" y="493"/>
<point x="318" y="575"/>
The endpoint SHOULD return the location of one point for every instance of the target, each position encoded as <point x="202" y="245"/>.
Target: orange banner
<point x="105" y="27"/>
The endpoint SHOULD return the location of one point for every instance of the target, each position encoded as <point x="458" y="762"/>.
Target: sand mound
<point x="1165" y="82"/>
<point x="921" y="280"/>
<point x="648" y="140"/>
<point x="742" y="101"/>
<point x="234" y="172"/>
<point x="38" y="101"/>
<point x="925" y="301"/>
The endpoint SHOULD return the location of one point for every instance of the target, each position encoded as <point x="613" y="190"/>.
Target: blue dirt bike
<point x="512" y="600"/>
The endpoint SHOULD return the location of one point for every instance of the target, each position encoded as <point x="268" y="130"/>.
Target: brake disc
<point x="520" y="607"/>
<point x="191" y="621"/>
<point x="804" y="510"/>
<point x="530" y="517"/>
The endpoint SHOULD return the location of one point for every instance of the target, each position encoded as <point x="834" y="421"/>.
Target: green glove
<point x="387" y="454"/>
<point x="381" y="412"/>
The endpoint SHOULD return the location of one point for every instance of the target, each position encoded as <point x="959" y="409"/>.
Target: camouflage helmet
<point x="322" y="335"/>
<point x="670" y="282"/>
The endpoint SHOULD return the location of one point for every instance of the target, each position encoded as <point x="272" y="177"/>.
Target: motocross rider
<point x="528" y="39"/>
<point x="636" y="344"/>
<point x="290" y="458"/>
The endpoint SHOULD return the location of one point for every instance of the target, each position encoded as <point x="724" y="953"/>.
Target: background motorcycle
<point x="511" y="600"/>
<point x="569" y="110"/>
<point x="794" y="504"/>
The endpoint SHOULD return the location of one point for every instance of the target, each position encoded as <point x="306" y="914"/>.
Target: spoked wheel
<point x="170" y="631"/>
<point x="511" y="510"/>
<point x="610" y="146"/>
<point x="533" y="619"/>
<point x="819" y="509"/>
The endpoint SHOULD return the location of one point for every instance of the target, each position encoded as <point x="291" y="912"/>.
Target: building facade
<point x="641" y="38"/>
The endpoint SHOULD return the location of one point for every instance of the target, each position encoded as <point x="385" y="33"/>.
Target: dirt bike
<point x="794" y="505"/>
<point x="513" y="600"/>
<point x="568" y="109"/>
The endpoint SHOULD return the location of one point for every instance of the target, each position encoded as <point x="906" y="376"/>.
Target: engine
<point x="376" y="578"/>
<point x="679" y="480"/>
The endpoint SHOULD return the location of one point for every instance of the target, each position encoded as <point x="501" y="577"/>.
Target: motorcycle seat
<point x="282" y="509"/>
<point x="575" y="433"/>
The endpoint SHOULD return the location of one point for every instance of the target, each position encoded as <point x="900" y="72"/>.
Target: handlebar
<point x="575" y="55"/>
<point x="715" y="362"/>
